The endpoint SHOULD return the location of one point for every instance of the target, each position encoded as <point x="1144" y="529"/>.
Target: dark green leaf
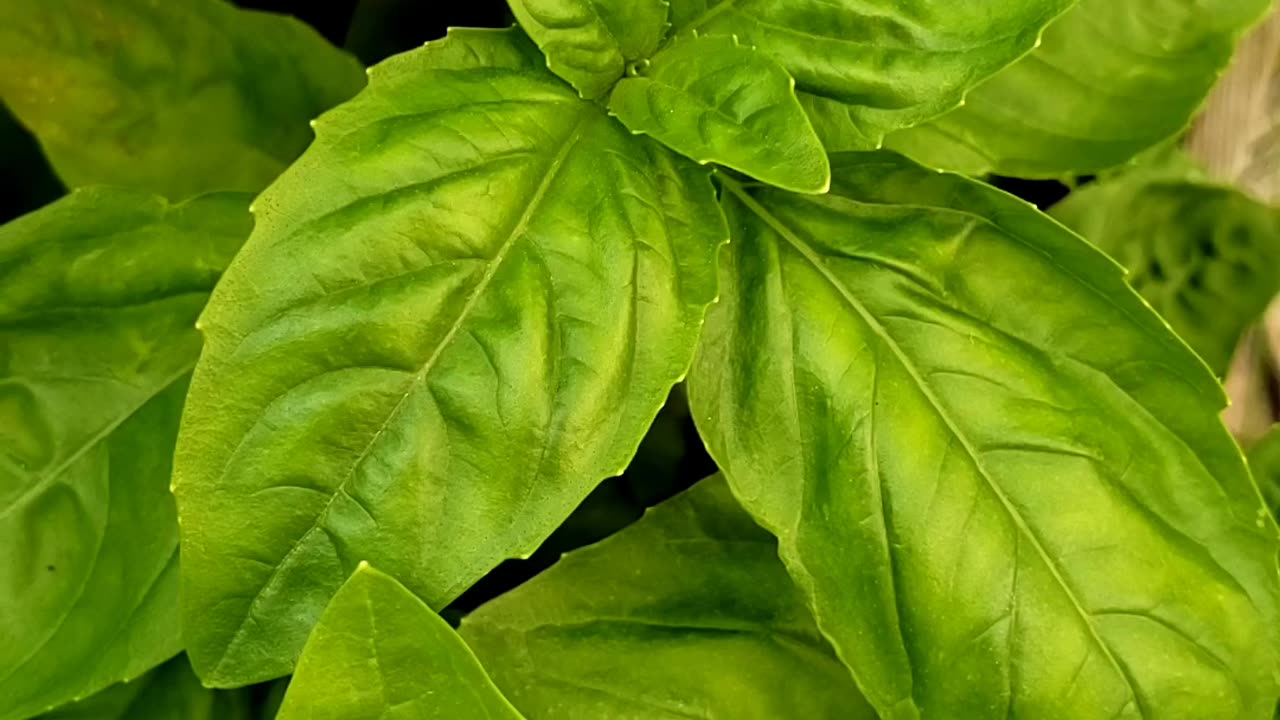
<point x="590" y="42"/>
<point x="177" y="98"/>
<point x="170" y="692"/>
<point x="378" y="651"/>
<point x="714" y="100"/>
<point x="1206" y="257"/>
<point x="1000" y="477"/>
<point x="875" y="66"/>
<point x="99" y="293"/>
<point x="1264" y="461"/>
<point x="458" y="312"/>
<point x="1109" y="80"/>
<point x="687" y="613"/>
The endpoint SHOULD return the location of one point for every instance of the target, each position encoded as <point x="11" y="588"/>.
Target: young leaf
<point x="590" y="42"/>
<point x="687" y="613"/>
<point x="170" y="692"/>
<point x="99" y="293"/>
<point x="1001" y="479"/>
<point x="881" y="64"/>
<point x="458" y="313"/>
<point x="1206" y="257"/>
<point x="378" y="651"/>
<point x="177" y="98"/>
<point x="713" y="100"/>
<point x="1110" y="80"/>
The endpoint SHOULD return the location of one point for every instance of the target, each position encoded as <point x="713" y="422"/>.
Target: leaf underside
<point x="99" y="293"/>
<point x="458" y="312"/>
<point x="966" y="470"/>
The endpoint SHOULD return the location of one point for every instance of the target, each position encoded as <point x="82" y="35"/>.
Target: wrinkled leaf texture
<point x="99" y="294"/>
<point x="378" y="651"/>
<point x="458" y="312"/>
<point x="999" y="477"/>
<point x="114" y="88"/>
<point x="1109" y="80"/>
<point x="686" y="613"/>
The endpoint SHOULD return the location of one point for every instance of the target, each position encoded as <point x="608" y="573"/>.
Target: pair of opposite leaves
<point x="391" y="130"/>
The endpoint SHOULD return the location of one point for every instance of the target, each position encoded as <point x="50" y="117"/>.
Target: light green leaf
<point x="170" y="692"/>
<point x="1264" y="461"/>
<point x="1109" y="80"/>
<point x="378" y="651"/>
<point x="458" y="312"/>
<point x="177" y="98"/>
<point x="688" y="613"/>
<point x="99" y="293"/>
<point x="590" y="42"/>
<point x="1001" y="479"/>
<point x="714" y="100"/>
<point x="877" y="65"/>
<point x="1206" y="257"/>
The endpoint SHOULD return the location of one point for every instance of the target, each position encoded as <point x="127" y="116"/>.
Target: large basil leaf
<point x="687" y="613"/>
<point x="590" y="42"/>
<point x="378" y="651"/>
<point x="714" y="100"/>
<point x="178" y="98"/>
<point x="99" y="293"/>
<point x="170" y="692"/>
<point x="875" y="66"/>
<point x="1001" y="479"/>
<point x="1109" y="80"/>
<point x="1206" y="257"/>
<point x="458" y="312"/>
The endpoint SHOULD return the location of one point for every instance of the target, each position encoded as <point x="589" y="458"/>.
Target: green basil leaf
<point x="170" y="692"/>
<point x="378" y="651"/>
<point x="1002" y="480"/>
<point x="1264" y="461"/>
<point x="1109" y="80"/>
<point x="1206" y="257"/>
<point x="590" y="42"/>
<point x="687" y="613"/>
<point x="99" y="293"/>
<point x="178" y="98"/>
<point x="458" y="312"/>
<point x="880" y="64"/>
<point x="713" y="100"/>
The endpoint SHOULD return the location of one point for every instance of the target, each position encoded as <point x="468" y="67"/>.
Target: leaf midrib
<point x="518" y="230"/>
<point x="865" y="315"/>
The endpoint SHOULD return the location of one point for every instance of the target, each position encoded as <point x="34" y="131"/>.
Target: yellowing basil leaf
<point x="1206" y="257"/>
<point x="687" y="613"/>
<point x="713" y="100"/>
<point x="881" y="64"/>
<point x="1001" y="479"/>
<point x="458" y="312"/>
<point x="1109" y="80"/>
<point x="590" y="42"/>
<point x="378" y="651"/>
<point x="170" y="692"/>
<point x="99" y="293"/>
<point x="177" y="98"/>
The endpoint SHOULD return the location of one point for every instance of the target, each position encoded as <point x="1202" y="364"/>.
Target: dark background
<point x="671" y="456"/>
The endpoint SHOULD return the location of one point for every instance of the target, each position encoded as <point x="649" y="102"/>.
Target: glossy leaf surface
<point x="590" y="42"/>
<point x="458" y="313"/>
<point x="877" y="65"/>
<point x="687" y="613"/>
<point x="177" y="98"/>
<point x="714" y="100"/>
<point x="981" y="451"/>
<point x="99" y="293"/>
<point x="380" y="652"/>
<point x="170" y="692"/>
<point x="1206" y="257"/>
<point x="1109" y="80"/>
